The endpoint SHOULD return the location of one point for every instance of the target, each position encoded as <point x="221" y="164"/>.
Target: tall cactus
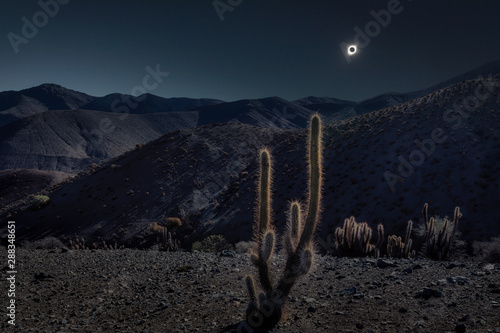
<point x="265" y="311"/>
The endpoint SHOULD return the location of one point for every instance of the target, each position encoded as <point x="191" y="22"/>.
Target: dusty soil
<point x="150" y="291"/>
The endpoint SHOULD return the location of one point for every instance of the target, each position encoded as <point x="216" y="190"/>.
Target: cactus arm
<point x="251" y="290"/>
<point x="295" y="221"/>
<point x="264" y="192"/>
<point x="264" y="221"/>
<point x="315" y="180"/>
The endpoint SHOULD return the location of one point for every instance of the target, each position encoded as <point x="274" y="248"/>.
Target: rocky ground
<point x="150" y="291"/>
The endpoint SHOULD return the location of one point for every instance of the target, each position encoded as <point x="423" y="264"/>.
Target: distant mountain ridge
<point x="16" y="105"/>
<point x="147" y="103"/>
<point x="38" y="132"/>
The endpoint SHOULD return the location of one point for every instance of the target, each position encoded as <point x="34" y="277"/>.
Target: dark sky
<point x="262" y="47"/>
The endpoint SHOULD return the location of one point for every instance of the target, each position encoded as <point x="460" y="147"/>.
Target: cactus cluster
<point x="265" y="308"/>
<point x="166" y="242"/>
<point x="438" y="243"/>
<point x="354" y="239"/>
<point x="80" y="244"/>
<point x="164" y="238"/>
<point x="396" y="248"/>
<point x="106" y="246"/>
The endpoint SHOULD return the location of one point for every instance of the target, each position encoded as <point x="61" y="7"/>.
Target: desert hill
<point x="206" y="175"/>
<point x="71" y="140"/>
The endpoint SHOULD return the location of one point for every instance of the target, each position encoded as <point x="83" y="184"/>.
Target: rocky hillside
<point x="380" y="167"/>
<point x="394" y="98"/>
<point x="71" y="140"/>
<point x="16" y="184"/>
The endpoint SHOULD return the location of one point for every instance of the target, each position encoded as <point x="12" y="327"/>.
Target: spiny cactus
<point x="265" y="309"/>
<point x="438" y="243"/>
<point x="166" y="242"/>
<point x="353" y="239"/>
<point x="396" y="248"/>
<point x="380" y="240"/>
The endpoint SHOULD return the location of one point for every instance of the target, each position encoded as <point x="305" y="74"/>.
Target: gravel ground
<point x="149" y="291"/>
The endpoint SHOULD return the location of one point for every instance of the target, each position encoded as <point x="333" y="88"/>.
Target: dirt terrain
<point x="151" y="291"/>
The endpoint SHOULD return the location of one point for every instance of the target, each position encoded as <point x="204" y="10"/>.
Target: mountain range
<point x="52" y="128"/>
<point x="384" y="158"/>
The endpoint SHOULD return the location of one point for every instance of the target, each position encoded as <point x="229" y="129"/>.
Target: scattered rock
<point x="453" y="280"/>
<point x="460" y="328"/>
<point x="228" y="253"/>
<point x="489" y="267"/>
<point x="348" y="291"/>
<point x="455" y="264"/>
<point x="408" y="270"/>
<point x="43" y="277"/>
<point x="358" y="295"/>
<point x="384" y="263"/>
<point x="427" y="293"/>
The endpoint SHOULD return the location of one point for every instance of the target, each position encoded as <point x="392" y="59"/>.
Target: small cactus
<point x="380" y="240"/>
<point x="396" y="248"/>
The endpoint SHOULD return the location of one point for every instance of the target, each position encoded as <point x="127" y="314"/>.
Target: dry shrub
<point x="213" y="243"/>
<point x="155" y="228"/>
<point x="173" y="222"/>
<point x="245" y="247"/>
<point x="45" y="243"/>
<point x="487" y="251"/>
